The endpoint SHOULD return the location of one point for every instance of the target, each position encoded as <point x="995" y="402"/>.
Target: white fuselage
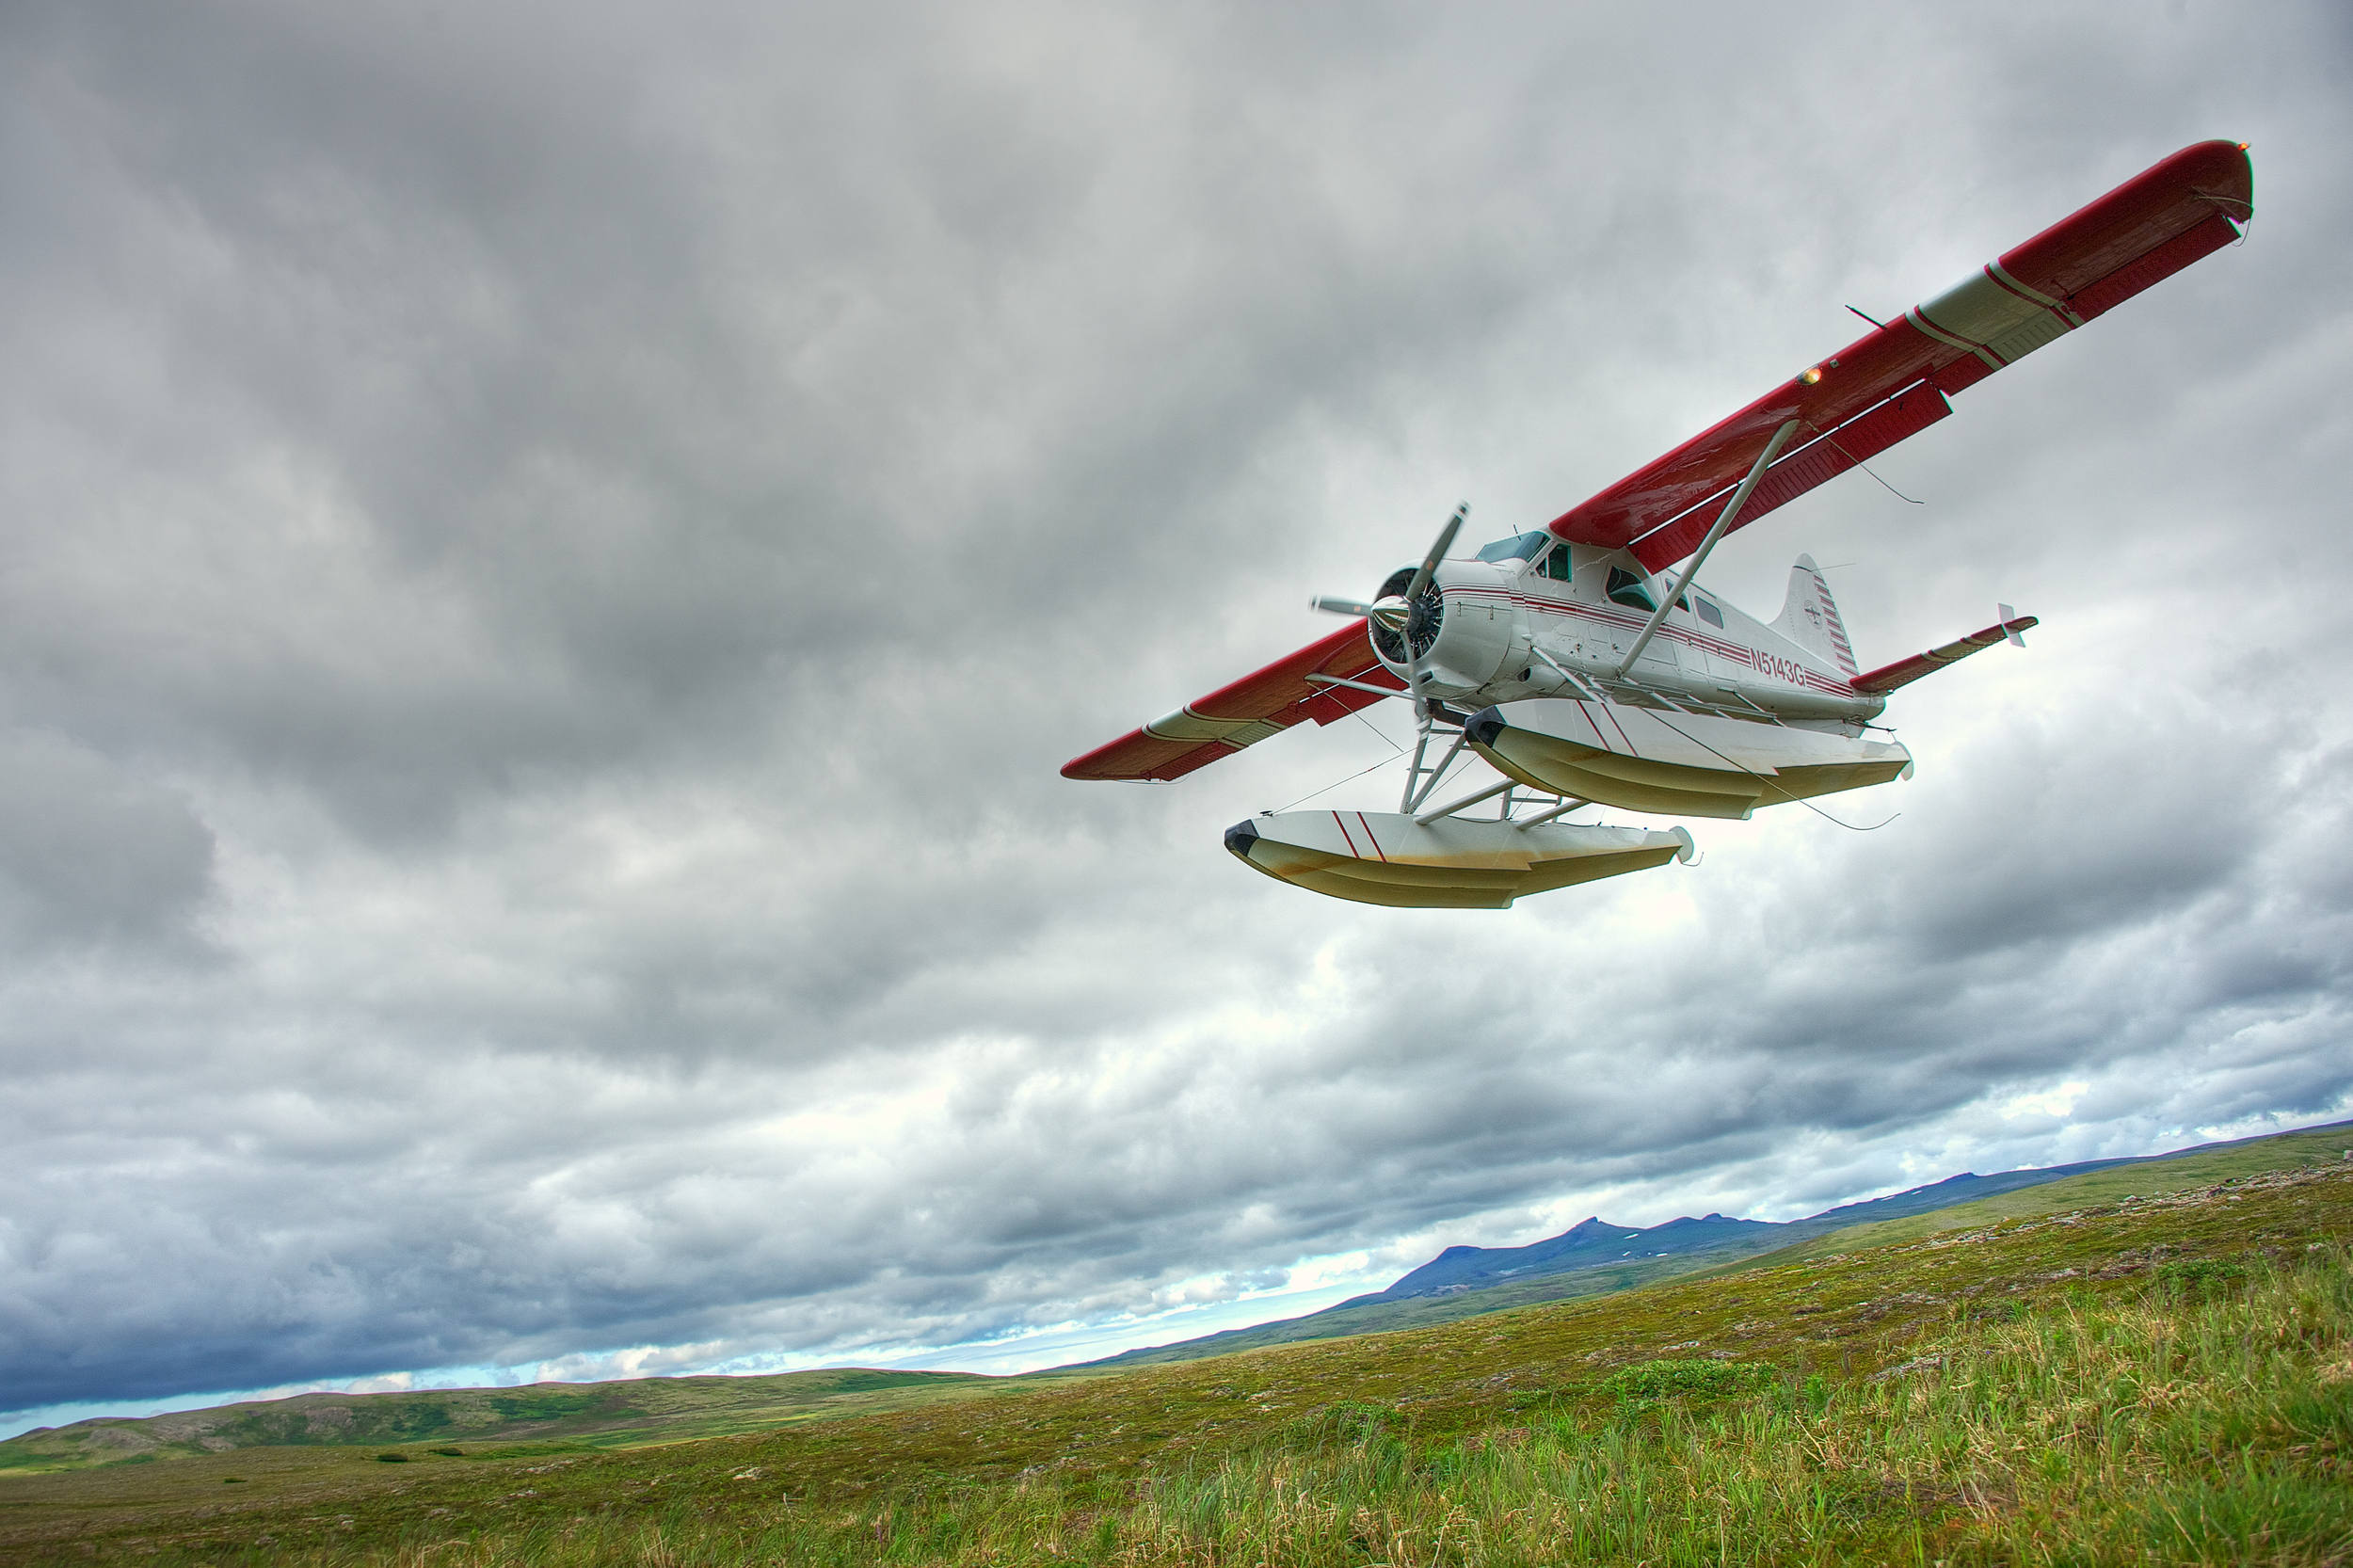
<point x="1505" y="619"/>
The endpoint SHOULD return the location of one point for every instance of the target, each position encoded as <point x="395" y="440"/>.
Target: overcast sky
<point x="549" y="556"/>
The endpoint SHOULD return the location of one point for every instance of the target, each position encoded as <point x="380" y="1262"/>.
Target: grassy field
<point x="635" y="1411"/>
<point x="2134" y="1376"/>
<point x="598" y="1414"/>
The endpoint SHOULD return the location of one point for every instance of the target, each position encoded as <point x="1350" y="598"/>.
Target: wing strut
<point x="1723" y="521"/>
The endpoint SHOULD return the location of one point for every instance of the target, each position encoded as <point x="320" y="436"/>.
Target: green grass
<point x="1651" y="1383"/>
<point x="606" y="1414"/>
<point x="2153" y="1379"/>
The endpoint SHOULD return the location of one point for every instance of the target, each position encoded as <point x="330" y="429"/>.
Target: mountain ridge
<point x="1476" y="1280"/>
<point x="1594" y="1241"/>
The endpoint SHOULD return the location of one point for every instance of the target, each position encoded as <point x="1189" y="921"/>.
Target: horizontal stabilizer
<point x="1903" y="672"/>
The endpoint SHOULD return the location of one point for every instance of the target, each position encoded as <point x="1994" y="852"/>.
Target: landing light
<point x="1810" y="375"/>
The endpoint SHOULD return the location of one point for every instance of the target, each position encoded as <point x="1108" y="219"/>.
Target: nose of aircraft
<point x="1423" y="616"/>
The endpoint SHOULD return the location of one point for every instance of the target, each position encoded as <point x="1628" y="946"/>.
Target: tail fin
<point x="1809" y="618"/>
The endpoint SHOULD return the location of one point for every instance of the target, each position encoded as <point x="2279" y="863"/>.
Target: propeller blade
<point x="1389" y="612"/>
<point x="1429" y="567"/>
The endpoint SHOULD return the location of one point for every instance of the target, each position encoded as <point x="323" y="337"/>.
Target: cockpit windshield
<point x="1521" y="546"/>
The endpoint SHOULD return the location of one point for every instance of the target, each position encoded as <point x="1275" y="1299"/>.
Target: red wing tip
<point x="1088" y="767"/>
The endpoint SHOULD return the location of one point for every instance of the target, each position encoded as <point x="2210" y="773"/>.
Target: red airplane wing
<point x="1892" y="382"/>
<point x="1245" y="712"/>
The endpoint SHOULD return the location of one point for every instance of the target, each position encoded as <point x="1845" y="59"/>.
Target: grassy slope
<point x="2225" y="1162"/>
<point x="598" y="1414"/>
<point x="2165" y="1173"/>
<point x="1478" y="1426"/>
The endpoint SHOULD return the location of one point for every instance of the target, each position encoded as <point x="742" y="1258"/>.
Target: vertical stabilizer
<point x="1809" y="618"/>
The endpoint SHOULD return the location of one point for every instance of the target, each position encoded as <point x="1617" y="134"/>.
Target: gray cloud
<point x="92" y="852"/>
<point x="554" y="555"/>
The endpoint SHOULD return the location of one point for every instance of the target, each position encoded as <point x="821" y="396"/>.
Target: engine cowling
<point x="1461" y="632"/>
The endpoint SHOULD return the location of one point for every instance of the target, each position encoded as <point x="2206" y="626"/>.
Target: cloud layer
<point x="552" y="558"/>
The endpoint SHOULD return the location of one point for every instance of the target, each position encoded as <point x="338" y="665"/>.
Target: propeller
<point x="1437" y="553"/>
<point x="1404" y="613"/>
<point x="1389" y="613"/>
<point x="1416" y="613"/>
<point x="1394" y="611"/>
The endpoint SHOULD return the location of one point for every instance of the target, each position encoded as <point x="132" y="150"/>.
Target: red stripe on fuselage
<point x="1738" y="652"/>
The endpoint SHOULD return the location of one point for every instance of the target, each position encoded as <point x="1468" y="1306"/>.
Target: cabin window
<point x="1557" y="567"/>
<point x="1630" y="589"/>
<point x="1520" y="547"/>
<point x="1709" y="614"/>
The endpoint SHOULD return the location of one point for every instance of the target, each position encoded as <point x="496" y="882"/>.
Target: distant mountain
<point x="1596" y="1257"/>
<point x="1596" y="1243"/>
<point x="1589" y="1243"/>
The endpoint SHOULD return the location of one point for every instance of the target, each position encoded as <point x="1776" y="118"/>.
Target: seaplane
<point x="1585" y="662"/>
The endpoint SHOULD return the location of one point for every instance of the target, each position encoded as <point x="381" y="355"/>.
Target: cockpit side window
<point x="1630" y="590"/>
<point x="1557" y="567"/>
<point x="1520" y="547"/>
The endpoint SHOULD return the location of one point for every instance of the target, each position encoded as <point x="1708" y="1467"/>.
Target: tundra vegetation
<point x="2075" y="1374"/>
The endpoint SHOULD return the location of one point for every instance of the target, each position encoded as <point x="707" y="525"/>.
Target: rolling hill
<point x="474" y="1420"/>
<point x="2049" y="1374"/>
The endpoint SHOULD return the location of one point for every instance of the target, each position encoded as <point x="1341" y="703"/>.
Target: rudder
<point x="1809" y="618"/>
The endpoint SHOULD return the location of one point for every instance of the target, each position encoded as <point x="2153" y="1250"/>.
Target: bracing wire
<point x="1890" y="489"/>
<point x="1867" y="468"/>
<point x="1337" y="782"/>
<point x="1359" y="716"/>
